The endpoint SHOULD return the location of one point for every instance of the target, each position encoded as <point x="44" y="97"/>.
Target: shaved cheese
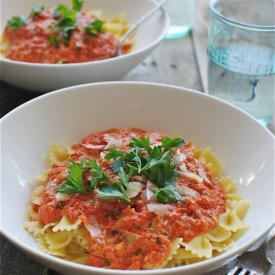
<point x="62" y="197"/>
<point x="192" y="176"/>
<point x="115" y="144"/>
<point x="158" y="208"/>
<point x="93" y="227"/>
<point x="102" y="155"/>
<point x="183" y="168"/>
<point x="93" y="230"/>
<point x="184" y="190"/>
<point x="202" y="172"/>
<point x="150" y="190"/>
<point x="179" y="156"/>
<point x="93" y="146"/>
<point x="134" y="187"/>
<point x="147" y="195"/>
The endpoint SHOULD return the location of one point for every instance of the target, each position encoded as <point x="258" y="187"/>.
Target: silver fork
<point x="254" y="262"/>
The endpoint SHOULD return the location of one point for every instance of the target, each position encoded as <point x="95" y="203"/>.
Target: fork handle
<point x="269" y="237"/>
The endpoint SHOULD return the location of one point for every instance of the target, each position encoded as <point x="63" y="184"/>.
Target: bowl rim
<point x="210" y="264"/>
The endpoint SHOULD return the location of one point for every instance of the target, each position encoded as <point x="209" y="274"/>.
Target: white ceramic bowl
<point x="49" y="77"/>
<point x="245" y="148"/>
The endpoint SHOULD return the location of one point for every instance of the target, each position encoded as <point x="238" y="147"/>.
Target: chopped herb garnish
<point x="106" y="262"/>
<point x="17" y="22"/>
<point x="53" y="40"/>
<point x="139" y="250"/>
<point x="98" y="175"/>
<point x="158" y="240"/>
<point x="77" y="5"/>
<point x="167" y="194"/>
<point x="66" y="23"/>
<point x="36" y="11"/>
<point x="74" y="182"/>
<point x="94" y="27"/>
<point x="155" y="163"/>
<point x="112" y="191"/>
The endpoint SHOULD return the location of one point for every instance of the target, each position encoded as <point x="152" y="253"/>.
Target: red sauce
<point x="150" y="233"/>
<point x="30" y="43"/>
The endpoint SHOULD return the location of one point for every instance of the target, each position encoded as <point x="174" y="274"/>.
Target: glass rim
<point x="238" y="24"/>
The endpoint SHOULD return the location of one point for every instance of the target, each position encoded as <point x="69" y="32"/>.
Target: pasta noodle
<point x="83" y="238"/>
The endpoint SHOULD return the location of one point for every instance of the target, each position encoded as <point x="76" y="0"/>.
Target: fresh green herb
<point x="114" y="232"/>
<point x="53" y="40"/>
<point x="67" y="20"/>
<point x="77" y="5"/>
<point x="98" y="175"/>
<point x="156" y="164"/>
<point x="66" y="23"/>
<point x="36" y="11"/>
<point x="17" y="22"/>
<point x="112" y="191"/>
<point x="94" y="27"/>
<point x="116" y="190"/>
<point x="106" y="262"/>
<point x="139" y="250"/>
<point x="158" y="240"/>
<point x="167" y="194"/>
<point x="74" y="182"/>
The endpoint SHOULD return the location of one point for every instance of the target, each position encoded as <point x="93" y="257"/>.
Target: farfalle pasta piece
<point x="37" y="195"/>
<point x="41" y="178"/>
<point x="65" y="224"/>
<point x="210" y="159"/>
<point x="240" y="207"/>
<point x="230" y="221"/>
<point x="33" y="227"/>
<point x="33" y="216"/>
<point x="73" y="248"/>
<point x="81" y="258"/>
<point x="228" y="184"/>
<point x="183" y="254"/>
<point x="200" y="246"/>
<point x="218" y="234"/>
<point x="57" y="154"/>
<point x="81" y="237"/>
<point x="236" y="235"/>
<point x="59" y="239"/>
<point x="223" y="246"/>
<point x="44" y="246"/>
<point x="175" y="244"/>
<point x="174" y="263"/>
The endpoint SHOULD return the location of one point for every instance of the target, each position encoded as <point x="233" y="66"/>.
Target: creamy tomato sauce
<point x="134" y="235"/>
<point x="30" y="43"/>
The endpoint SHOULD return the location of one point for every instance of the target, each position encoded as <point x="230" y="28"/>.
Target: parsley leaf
<point x="98" y="175"/>
<point x="156" y="164"/>
<point x="17" y="22"/>
<point x="112" y="191"/>
<point x="37" y="10"/>
<point x="169" y="143"/>
<point x="94" y="27"/>
<point x="67" y="20"/>
<point x="74" y="182"/>
<point x="167" y="194"/>
<point x="77" y="5"/>
<point x="53" y="40"/>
